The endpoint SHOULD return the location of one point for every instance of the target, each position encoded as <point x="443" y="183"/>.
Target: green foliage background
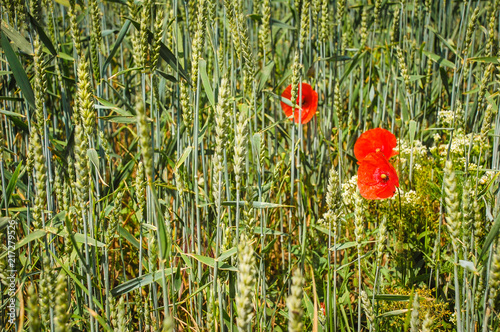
<point x="156" y="183"/>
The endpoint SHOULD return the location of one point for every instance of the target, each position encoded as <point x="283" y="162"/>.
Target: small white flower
<point x="472" y="167"/>
<point x="487" y="177"/>
<point x="436" y="137"/>
<point x="445" y="118"/>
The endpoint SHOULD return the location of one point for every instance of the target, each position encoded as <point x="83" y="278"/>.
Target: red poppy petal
<point x="312" y="105"/>
<point x="390" y="188"/>
<point x="366" y="173"/>
<point x="368" y="192"/>
<point x="287" y="93"/>
<point x="377" y="178"/>
<point x="287" y="109"/>
<point x="375" y="139"/>
<point x="386" y="192"/>
<point x="309" y="103"/>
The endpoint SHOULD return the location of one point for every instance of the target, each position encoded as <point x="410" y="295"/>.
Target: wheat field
<point x="151" y="180"/>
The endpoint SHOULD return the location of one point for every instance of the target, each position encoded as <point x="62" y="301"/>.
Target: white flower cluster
<point x="472" y="167"/>
<point x="419" y="153"/>
<point x="487" y="177"/>
<point x="417" y="167"/>
<point x="445" y="117"/>
<point x="436" y="137"/>
<point x="418" y="148"/>
<point x="408" y="198"/>
<point x="459" y="147"/>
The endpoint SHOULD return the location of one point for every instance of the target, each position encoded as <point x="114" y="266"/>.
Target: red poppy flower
<point x="375" y="140"/>
<point x="309" y="103"/>
<point x="377" y="178"/>
<point x="322" y="308"/>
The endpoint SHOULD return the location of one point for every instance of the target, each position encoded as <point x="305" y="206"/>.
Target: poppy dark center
<point x="305" y="101"/>
<point x="384" y="177"/>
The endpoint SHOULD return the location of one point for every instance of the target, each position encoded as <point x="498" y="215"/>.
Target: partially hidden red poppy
<point x="309" y="103"/>
<point x="377" y="178"/>
<point x="322" y="308"/>
<point x="375" y="140"/>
